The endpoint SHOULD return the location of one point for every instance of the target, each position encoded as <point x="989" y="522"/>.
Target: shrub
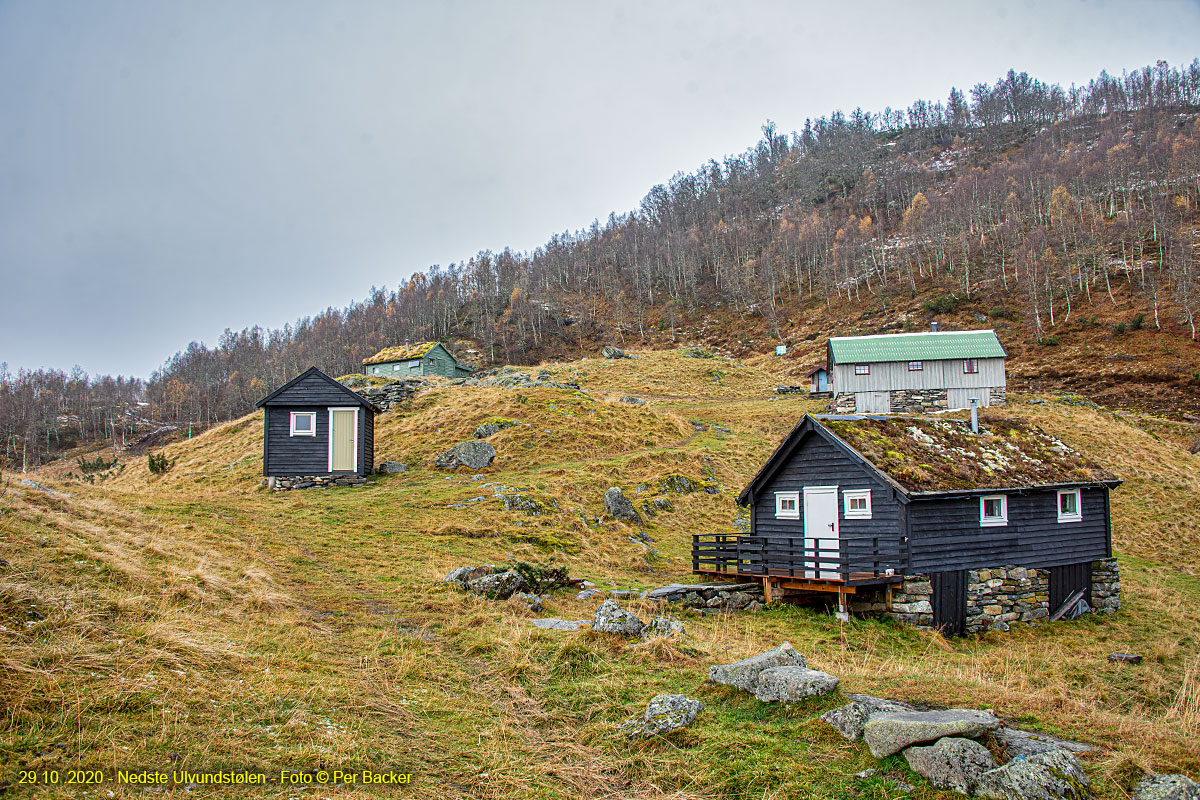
<point x="1000" y="312"/>
<point x="542" y="576"/>
<point x="1089" y="321"/>
<point x="159" y="463"/>
<point x="1119" y="328"/>
<point x="1050" y="341"/>
<point x="98" y="464"/>
<point x="1136" y="323"/>
<point x="939" y="305"/>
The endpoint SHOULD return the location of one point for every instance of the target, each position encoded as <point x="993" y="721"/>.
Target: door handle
<point x="831" y="526"/>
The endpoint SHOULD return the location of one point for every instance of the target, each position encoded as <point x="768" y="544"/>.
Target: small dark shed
<point x="316" y="427"/>
<point x="926" y="520"/>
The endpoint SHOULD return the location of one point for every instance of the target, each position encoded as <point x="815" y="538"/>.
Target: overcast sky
<point x="172" y="169"/>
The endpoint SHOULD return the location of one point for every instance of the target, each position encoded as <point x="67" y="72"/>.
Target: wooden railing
<point x="855" y="558"/>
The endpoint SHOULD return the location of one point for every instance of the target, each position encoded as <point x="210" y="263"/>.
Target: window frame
<point x="856" y="494"/>
<point x="1077" y="514"/>
<point x="862" y="369"/>
<point x="780" y="513"/>
<point x="993" y="522"/>
<point x="970" y="366"/>
<point x="312" y="416"/>
<point x="920" y="366"/>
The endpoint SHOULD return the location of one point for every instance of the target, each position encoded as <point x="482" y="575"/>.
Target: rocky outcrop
<point x="553" y="624"/>
<point x="951" y="763"/>
<point x="619" y="506"/>
<point x="473" y="454"/>
<point x="1025" y="743"/>
<point x="791" y="684"/>
<point x="1056" y="775"/>
<point x="611" y="618"/>
<point x="391" y="468"/>
<point x="498" y="586"/>
<point x="744" y="674"/>
<point x="493" y="427"/>
<point x="1166" y="787"/>
<point x="849" y="720"/>
<point x="888" y="733"/>
<point x="459" y="576"/>
<point x="532" y="601"/>
<point x="664" y="627"/>
<point x="664" y="714"/>
<point x="614" y="352"/>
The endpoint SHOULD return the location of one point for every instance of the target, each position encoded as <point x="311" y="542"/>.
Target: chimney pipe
<point x="933" y="326"/>
<point x="974" y="415"/>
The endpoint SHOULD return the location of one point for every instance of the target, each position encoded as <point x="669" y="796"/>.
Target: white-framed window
<point x="395" y="367"/>
<point x="375" y="370"/>
<point x="787" y="505"/>
<point x="1070" y="506"/>
<point x="304" y="423"/>
<point x="970" y="366"/>
<point x="993" y="510"/>
<point x="916" y="366"/>
<point x="856" y="503"/>
<point x="862" y="369"/>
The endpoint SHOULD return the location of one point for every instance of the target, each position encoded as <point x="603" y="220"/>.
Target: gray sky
<point x="168" y="170"/>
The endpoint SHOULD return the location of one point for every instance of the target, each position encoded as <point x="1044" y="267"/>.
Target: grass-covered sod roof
<point x="400" y="352"/>
<point x="943" y="454"/>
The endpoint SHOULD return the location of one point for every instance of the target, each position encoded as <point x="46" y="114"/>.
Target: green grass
<point x="195" y="619"/>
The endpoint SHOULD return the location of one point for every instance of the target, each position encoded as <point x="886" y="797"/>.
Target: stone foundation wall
<point x="1106" y="585"/>
<point x="843" y="403"/>
<point x="918" y="401"/>
<point x="712" y="597"/>
<point x="283" y="484"/>
<point x="997" y="396"/>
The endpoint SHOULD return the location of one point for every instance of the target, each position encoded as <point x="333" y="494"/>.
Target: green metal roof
<point x="927" y="346"/>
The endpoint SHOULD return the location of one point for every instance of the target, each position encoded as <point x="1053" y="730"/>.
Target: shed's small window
<point x="375" y="370"/>
<point x="787" y="505"/>
<point x="857" y="503"/>
<point x="970" y="365"/>
<point x="862" y="369"/>
<point x="395" y="367"/>
<point x="993" y="510"/>
<point x="1069" y="507"/>
<point x="915" y="366"/>
<point x="304" y="423"/>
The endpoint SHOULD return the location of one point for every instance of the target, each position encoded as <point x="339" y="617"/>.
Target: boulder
<point x="849" y="720"/>
<point x="744" y="674"/>
<point x="620" y="506"/>
<point x="890" y="732"/>
<point x="498" y="586"/>
<point x="588" y="593"/>
<point x="553" y="624"/>
<point x="790" y="684"/>
<point x="613" y="352"/>
<point x="665" y="713"/>
<point x="1056" y="775"/>
<point x="1166" y="787"/>
<point x="533" y="601"/>
<point x="951" y="763"/>
<point x="391" y="467"/>
<point x="661" y="626"/>
<point x="611" y="618"/>
<point x="474" y="454"/>
<point x="1025" y="743"/>
<point x="461" y="575"/>
<point x="633" y="401"/>
<point x="495" y="426"/>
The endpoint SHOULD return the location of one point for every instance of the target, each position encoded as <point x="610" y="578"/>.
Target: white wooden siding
<point x="948" y="374"/>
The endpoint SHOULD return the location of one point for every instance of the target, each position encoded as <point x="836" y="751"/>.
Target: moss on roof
<point x="942" y="454"/>
<point x="400" y="353"/>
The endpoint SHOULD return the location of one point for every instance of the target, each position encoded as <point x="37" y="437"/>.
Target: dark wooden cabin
<point x="926" y="510"/>
<point x="315" y="426"/>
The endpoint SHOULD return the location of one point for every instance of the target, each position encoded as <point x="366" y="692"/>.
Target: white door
<point x="873" y="402"/>
<point x="821" y="531"/>
<point x="961" y="398"/>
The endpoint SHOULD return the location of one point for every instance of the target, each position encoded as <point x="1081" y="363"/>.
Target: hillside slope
<point x="308" y="630"/>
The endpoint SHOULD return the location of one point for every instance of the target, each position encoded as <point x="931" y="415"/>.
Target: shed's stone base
<point x="918" y="401"/>
<point x="998" y="396"/>
<point x="280" y="484"/>
<point x="713" y="596"/>
<point x="843" y="403"/>
<point x="997" y="597"/>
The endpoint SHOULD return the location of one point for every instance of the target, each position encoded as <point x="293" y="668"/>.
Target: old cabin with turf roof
<point x="316" y="432"/>
<point x="926" y="520"/>
<point x="915" y="372"/>
<point x="412" y="360"/>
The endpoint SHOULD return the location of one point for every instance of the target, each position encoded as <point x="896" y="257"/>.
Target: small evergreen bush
<point x="159" y="463"/>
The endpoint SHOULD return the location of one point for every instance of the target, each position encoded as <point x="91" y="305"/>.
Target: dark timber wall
<point x="946" y="535"/>
<point x="285" y="455"/>
<point x="817" y="462"/>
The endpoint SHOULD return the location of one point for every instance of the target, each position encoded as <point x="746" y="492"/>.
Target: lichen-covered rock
<point x="665" y="713"/>
<point x="553" y="624"/>
<point x="744" y="674"/>
<point x="792" y="684"/>
<point x="633" y="401"/>
<point x="611" y="618"/>
<point x="951" y="763"/>
<point x="473" y="454"/>
<point x="620" y="506"/>
<point x="849" y="720"/>
<point x="533" y="601"/>
<point x="1056" y="775"/>
<point x="613" y="352"/>
<point x="391" y="467"/>
<point x="529" y="505"/>
<point x="461" y="575"/>
<point x="696" y="352"/>
<point x="498" y="586"/>
<point x="890" y="732"/>
<point x="677" y="484"/>
<point x="1026" y="743"/>
<point x="1166" y="787"/>
<point x="661" y="626"/>
<point x="588" y="593"/>
<point x="493" y="426"/>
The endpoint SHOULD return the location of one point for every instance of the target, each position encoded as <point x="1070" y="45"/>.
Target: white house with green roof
<point x="915" y="372"/>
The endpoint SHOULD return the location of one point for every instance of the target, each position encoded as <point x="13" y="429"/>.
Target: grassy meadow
<point x="195" y="620"/>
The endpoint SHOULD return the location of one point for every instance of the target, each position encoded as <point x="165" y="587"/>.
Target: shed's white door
<point x="343" y="439"/>
<point x="873" y="402"/>
<point x="821" y="531"/>
<point x="961" y="398"/>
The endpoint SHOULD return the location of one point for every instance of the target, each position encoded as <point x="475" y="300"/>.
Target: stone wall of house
<point x="918" y="401"/>
<point x="283" y="484"/>
<point x="712" y="596"/>
<point x="1106" y="585"/>
<point x="997" y="395"/>
<point x="843" y="403"/>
